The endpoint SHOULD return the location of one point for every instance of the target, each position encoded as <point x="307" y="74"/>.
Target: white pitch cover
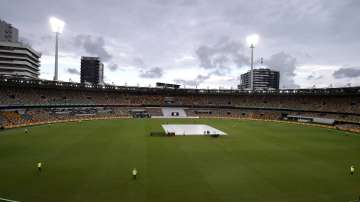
<point x="191" y="129"/>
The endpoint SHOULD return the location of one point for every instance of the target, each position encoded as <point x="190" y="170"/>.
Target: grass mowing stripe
<point x="92" y="161"/>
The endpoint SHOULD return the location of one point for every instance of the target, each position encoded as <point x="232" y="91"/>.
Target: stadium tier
<point x="35" y="101"/>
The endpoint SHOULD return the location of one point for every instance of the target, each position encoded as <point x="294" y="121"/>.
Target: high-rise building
<point x="19" y="60"/>
<point x="92" y="70"/>
<point x="8" y="32"/>
<point x="264" y="79"/>
<point x="16" y="59"/>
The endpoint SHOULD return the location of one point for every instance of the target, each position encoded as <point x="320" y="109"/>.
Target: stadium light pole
<point x="57" y="26"/>
<point x="252" y="41"/>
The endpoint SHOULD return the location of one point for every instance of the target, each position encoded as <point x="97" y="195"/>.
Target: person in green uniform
<point x="134" y="173"/>
<point x="39" y="166"/>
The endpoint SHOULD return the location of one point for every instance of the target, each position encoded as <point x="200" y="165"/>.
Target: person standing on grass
<point x="39" y="166"/>
<point x="352" y="170"/>
<point x="134" y="173"/>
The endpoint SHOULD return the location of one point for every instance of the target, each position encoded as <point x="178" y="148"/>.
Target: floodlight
<point x="57" y="25"/>
<point x="252" y="40"/>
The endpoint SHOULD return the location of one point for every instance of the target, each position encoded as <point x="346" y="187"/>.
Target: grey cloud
<point x="221" y="55"/>
<point x="73" y="71"/>
<point x="113" y="67"/>
<point x="222" y="72"/>
<point x="286" y="64"/>
<point x="160" y="30"/>
<point x="291" y="20"/>
<point x="345" y="21"/>
<point x="347" y="72"/>
<point x="93" y="45"/>
<point x="25" y="40"/>
<point x="235" y="79"/>
<point x="202" y="77"/>
<point x="193" y="82"/>
<point x="175" y="2"/>
<point x="45" y="43"/>
<point x="139" y="63"/>
<point x="313" y="77"/>
<point x="47" y="38"/>
<point x="152" y="73"/>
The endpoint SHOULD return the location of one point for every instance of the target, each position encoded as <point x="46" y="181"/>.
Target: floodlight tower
<point x="57" y="26"/>
<point x="252" y="40"/>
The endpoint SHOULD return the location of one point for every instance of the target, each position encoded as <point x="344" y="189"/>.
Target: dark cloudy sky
<point x="196" y="42"/>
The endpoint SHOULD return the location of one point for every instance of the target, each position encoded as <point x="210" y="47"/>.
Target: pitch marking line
<point x="4" y="199"/>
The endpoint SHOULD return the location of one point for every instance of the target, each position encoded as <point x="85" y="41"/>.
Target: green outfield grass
<point x="257" y="161"/>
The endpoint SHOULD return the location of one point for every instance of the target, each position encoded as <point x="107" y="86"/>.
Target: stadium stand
<point x="173" y="112"/>
<point x="37" y="101"/>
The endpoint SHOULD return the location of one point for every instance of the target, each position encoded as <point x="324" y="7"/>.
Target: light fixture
<point x="57" y="25"/>
<point x="252" y="40"/>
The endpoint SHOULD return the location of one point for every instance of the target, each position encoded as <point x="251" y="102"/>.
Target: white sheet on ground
<point x="191" y="129"/>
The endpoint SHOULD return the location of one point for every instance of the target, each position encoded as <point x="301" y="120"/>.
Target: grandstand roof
<point x="19" y="82"/>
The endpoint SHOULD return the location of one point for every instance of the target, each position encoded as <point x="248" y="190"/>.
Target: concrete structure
<point x="92" y="70"/>
<point x="173" y="112"/>
<point x="19" y="60"/>
<point x="264" y="79"/>
<point x="8" y="33"/>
